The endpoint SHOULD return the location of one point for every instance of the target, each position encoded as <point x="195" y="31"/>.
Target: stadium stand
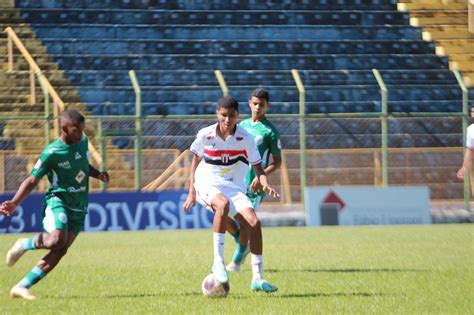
<point x="153" y="37"/>
<point x="174" y="46"/>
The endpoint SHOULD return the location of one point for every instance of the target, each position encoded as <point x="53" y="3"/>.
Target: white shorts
<point x="238" y="201"/>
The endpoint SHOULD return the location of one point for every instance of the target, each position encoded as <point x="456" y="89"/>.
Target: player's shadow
<point x="346" y="270"/>
<point x="337" y="294"/>
<point x="121" y="296"/>
<point x="231" y="296"/>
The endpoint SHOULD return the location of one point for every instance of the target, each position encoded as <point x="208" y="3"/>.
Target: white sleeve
<point x="470" y="137"/>
<point x="253" y="155"/>
<point x="197" y="145"/>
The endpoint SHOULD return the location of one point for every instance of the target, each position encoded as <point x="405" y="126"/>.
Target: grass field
<point x="383" y="269"/>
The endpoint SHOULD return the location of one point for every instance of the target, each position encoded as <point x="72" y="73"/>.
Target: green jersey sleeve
<point x="42" y="166"/>
<point x="275" y="142"/>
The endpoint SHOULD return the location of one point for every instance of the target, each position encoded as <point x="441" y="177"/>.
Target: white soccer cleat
<point x="15" y="252"/>
<point x="233" y="267"/>
<point x="21" y="292"/>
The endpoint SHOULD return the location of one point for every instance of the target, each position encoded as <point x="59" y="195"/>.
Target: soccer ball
<point x="213" y="288"/>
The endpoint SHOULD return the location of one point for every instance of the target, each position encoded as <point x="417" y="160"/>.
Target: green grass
<point x="383" y="269"/>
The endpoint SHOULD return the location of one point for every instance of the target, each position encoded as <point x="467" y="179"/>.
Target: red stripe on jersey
<point x="231" y="153"/>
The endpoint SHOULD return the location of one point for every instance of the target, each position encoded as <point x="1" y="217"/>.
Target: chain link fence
<point x="339" y="151"/>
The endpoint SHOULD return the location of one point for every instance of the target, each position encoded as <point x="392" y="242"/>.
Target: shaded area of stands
<point x="175" y="46"/>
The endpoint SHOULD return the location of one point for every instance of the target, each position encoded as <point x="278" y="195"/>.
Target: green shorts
<point x="58" y="217"/>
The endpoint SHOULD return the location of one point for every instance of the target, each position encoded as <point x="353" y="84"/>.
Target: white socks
<point x="218" y="241"/>
<point x="257" y="267"/>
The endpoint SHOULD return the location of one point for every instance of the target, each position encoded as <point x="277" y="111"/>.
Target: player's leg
<point x="53" y="240"/>
<point x="63" y="226"/>
<point x="220" y="206"/>
<point x="54" y="219"/>
<point x="233" y="229"/>
<point x="58" y="241"/>
<point x="248" y="217"/>
<point x="242" y="250"/>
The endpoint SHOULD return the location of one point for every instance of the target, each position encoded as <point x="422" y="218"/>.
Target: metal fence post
<point x="465" y="122"/>
<point x="302" y="110"/>
<point x="222" y="84"/>
<point x="138" y="130"/>
<point x="384" y="123"/>
<point x="102" y="151"/>
<point x="47" y="108"/>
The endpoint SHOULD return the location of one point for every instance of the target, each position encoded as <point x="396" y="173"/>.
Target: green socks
<point x="35" y="275"/>
<point x="29" y="244"/>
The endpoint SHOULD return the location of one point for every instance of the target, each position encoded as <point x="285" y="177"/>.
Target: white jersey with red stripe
<point x="470" y="137"/>
<point x="224" y="162"/>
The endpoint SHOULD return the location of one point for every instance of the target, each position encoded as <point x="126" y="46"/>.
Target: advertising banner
<point x="117" y="211"/>
<point x="367" y="205"/>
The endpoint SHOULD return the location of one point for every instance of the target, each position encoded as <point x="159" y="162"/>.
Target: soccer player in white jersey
<point x="222" y="153"/>
<point x="466" y="165"/>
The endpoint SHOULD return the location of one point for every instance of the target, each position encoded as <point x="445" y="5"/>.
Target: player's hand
<point x="460" y="173"/>
<point x="270" y="191"/>
<point x="104" y="176"/>
<point x="255" y="185"/>
<point x="7" y="208"/>
<point x="190" y="202"/>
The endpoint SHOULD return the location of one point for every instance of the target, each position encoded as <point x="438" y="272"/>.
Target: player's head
<point x="72" y="126"/>
<point x="227" y="102"/>
<point x="472" y="110"/>
<point x="259" y="103"/>
<point x="227" y="112"/>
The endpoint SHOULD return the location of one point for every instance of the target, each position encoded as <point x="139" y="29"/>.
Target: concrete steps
<point x="446" y="23"/>
<point x="23" y="30"/>
<point x="451" y="17"/>
<point x="463" y="61"/>
<point x="446" y="47"/>
<point x="432" y="5"/>
<point x="26" y="81"/>
<point x="446" y="32"/>
<point x="32" y="48"/>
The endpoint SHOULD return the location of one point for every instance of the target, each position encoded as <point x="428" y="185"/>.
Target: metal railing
<point x="58" y="104"/>
<point x="47" y="89"/>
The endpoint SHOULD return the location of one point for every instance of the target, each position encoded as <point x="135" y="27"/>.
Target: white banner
<point x="367" y="205"/>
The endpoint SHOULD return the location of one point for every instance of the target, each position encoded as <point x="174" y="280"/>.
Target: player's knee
<point x="57" y="242"/>
<point x="222" y="206"/>
<point x="254" y="223"/>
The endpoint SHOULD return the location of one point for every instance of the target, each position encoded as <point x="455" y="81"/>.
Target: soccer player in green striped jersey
<point x="66" y="163"/>
<point x="267" y="139"/>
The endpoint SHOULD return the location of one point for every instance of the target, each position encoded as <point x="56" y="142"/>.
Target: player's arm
<point x="276" y="164"/>
<point x="262" y="177"/>
<point x="466" y="163"/>
<point x="191" y="199"/>
<point x="275" y="150"/>
<point x="102" y="176"/>
<point x="9" y="206"/>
